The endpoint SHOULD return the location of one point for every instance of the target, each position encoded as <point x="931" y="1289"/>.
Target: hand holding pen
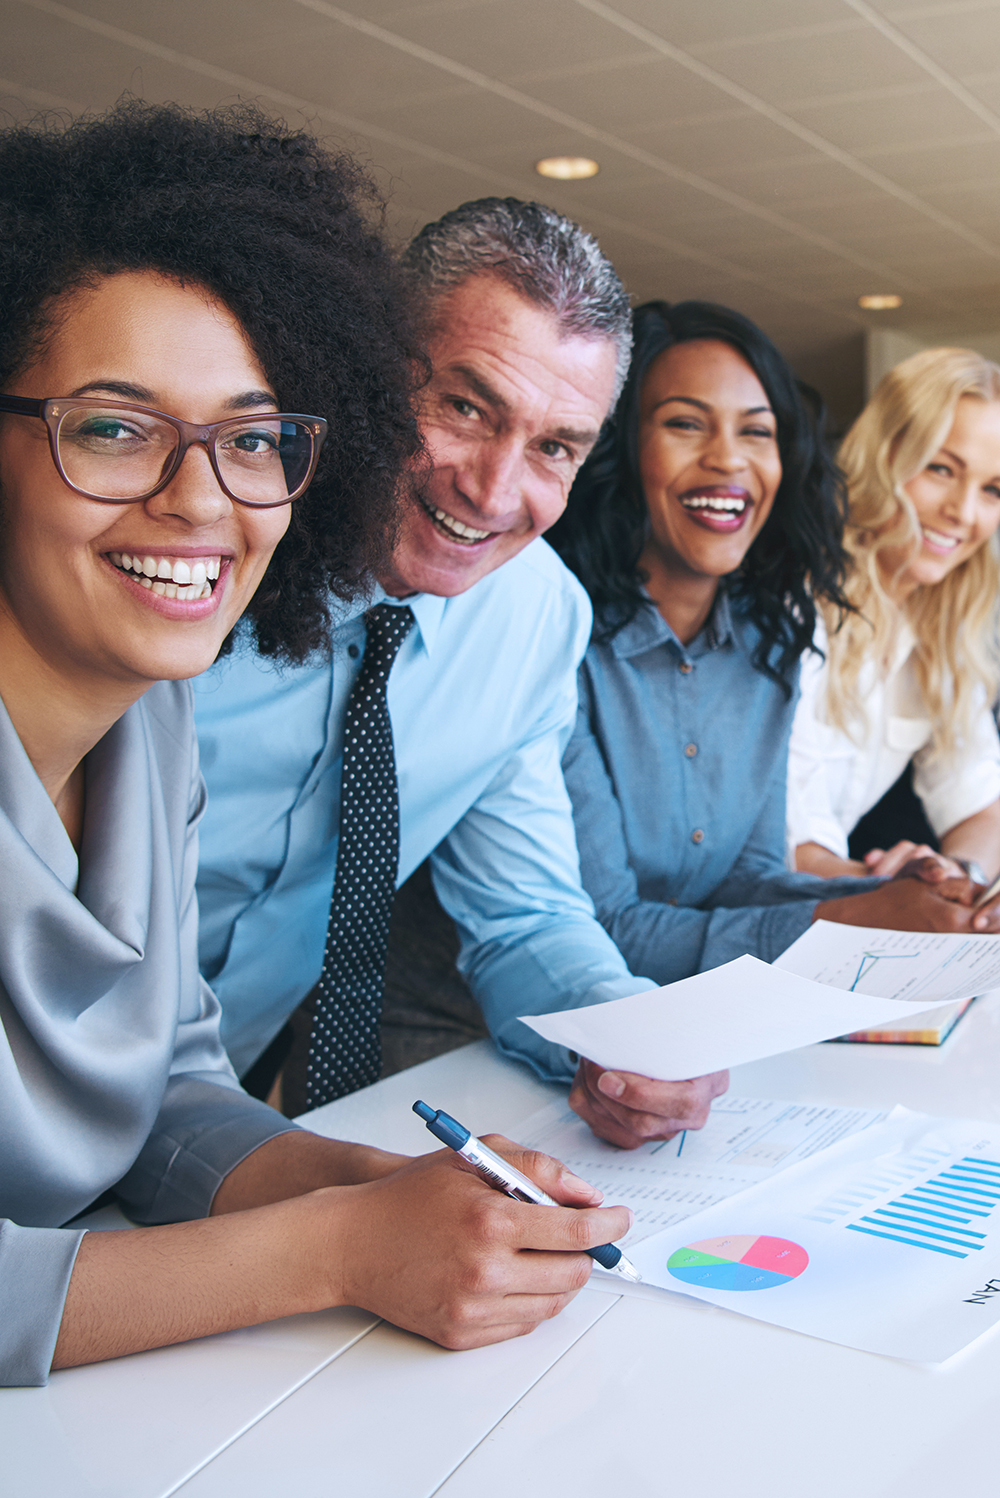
<point x="500" y="1174"/>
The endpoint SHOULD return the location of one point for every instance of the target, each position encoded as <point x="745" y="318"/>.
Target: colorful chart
<point x="740" y="1263"/>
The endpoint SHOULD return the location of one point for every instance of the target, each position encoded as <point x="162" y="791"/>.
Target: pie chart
<point x="750" y="1262"/>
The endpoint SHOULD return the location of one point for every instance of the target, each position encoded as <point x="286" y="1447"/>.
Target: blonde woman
<point x="912" y="673"/>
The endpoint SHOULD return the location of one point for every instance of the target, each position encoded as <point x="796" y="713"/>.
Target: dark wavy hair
<point x="286" y="235"/>
<point x="798" y="555"/>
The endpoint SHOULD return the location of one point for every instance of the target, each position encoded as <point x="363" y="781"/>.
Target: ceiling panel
<point x="217" y="30"/>
<point x="501" y="37"/>
<point x="784" y="155"/>
<point x="740" y="139"/>
<point x="921" y="165"/>
<point x="701" y="23"/>
<point x="958" y="38"/>
<point x="619" y="96"/>
<point x="793" y="67"/>
<point x="866" y="124"/>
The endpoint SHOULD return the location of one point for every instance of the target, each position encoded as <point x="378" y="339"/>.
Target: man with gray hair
<point x="451" y="697"/>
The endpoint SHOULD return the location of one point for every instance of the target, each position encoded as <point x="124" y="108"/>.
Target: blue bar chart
<point x="946" y="1214"/>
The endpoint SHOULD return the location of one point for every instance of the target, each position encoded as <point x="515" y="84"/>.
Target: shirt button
<point x="690" y="750"/>
<point x="697" y="836"/>
<point x="686" y="668"/>
<point x="353" y="652"/>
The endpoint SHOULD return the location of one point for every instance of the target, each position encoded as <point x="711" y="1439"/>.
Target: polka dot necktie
<point x="345" y="1050"/>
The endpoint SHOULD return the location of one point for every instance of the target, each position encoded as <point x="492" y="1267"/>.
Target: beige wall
<point x="887" y="347"/>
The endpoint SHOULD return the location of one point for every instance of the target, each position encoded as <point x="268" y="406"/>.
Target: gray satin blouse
<point x="111" y="1069"/>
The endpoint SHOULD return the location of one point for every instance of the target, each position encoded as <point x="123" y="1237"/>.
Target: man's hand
<point x="628" y="1110"/>
<point x="927" y="898"/>
<point x="435" y="1250"/>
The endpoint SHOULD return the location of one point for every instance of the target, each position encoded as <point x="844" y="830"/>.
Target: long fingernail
<point x="610" y="1084"/>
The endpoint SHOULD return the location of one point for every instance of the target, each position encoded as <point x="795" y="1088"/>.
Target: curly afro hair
<point x="286" y="235"/>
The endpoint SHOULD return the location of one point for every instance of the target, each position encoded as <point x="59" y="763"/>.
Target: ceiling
<point x="783" y="156"/>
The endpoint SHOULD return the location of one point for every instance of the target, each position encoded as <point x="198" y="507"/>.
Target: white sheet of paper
<point x="739" y="1012"/>
<point x="919" y="966"/>
<point x="888" y="1241"/>
<point x="745" y="1141"/>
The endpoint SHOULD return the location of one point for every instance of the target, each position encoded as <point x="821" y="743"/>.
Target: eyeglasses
<point x="120" y="453"/>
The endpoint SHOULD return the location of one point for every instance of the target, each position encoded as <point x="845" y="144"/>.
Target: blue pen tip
<point x="422" y="1111"/>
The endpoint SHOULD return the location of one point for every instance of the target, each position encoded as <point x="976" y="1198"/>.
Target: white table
<point x="635" y="1396"/>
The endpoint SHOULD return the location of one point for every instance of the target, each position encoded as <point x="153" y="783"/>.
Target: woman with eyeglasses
<point x="196" y="323"/>
<point x="910" y="674"/>
<point x="706" y="525"/>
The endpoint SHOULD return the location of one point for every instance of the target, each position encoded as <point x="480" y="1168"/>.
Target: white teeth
<point x="159" y="588"/>
<point x="938" y="539"/>
<point x="181" y="577"/>
<point x="713" y="502"/>
<point x="456" y="529"/>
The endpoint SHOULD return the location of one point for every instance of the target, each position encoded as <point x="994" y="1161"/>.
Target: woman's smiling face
<point x="956" y="497"/>
<point x="708" y="458"/>
<point x="64" y="588"/>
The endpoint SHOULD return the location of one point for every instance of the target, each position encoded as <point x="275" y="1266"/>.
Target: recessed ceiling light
<point x="882" y="302"/>
<point x="567" y="168"/>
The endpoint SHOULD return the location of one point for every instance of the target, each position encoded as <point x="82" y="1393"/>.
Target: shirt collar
<point x="428" y="612"/>
<point x="649" y="629"/>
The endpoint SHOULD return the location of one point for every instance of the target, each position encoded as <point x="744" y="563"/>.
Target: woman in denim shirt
<point x="704" y="525"/>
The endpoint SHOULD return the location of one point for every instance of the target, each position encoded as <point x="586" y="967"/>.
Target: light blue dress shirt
<point x="482" y="698"/>
<point x="677" y="771"/>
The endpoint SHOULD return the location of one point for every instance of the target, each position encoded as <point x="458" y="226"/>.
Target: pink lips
<point x="939" y="550"/>
<point x="720" y="521"/>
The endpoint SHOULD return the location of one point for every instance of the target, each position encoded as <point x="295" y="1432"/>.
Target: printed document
<point x="745" y="1141"/>
<point x="739" y="1012"/>
<point x="888" y="1241"/>
<point x="925" y="966"/>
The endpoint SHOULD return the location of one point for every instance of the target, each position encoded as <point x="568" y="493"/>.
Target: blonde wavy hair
<point x="954" y="621"/>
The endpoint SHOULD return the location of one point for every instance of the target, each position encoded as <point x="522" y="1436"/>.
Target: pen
<point x="496" y="1172"/>
<point x="988" y="894"/>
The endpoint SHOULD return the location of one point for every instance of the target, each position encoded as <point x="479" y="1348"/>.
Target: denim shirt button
<point x="697" y="836"/>
<point x="690" y="750"/>
<point x="686" y="668"/>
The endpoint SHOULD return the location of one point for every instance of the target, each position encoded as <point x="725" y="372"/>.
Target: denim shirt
<point x="677" y="771"/>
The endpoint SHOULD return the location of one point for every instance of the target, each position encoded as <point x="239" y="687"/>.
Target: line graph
<point x="870" y="960"/>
